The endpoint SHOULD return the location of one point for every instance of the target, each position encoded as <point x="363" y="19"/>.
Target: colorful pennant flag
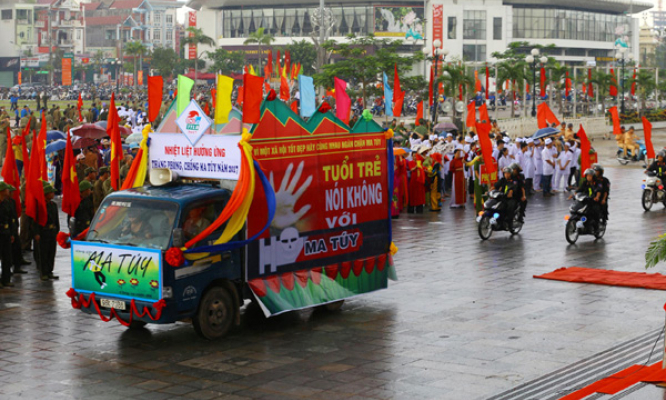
<point x="185" y="86"/>
<point x="113" y="130"/>
<point x="71" y="196"/>
<point x="342" y="100"/>
<point x="308" y="96"/>
<point x="225" y="86"/>
<point x="252" y="97"/>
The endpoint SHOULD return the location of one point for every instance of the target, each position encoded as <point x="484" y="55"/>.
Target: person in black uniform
<point x="593" y="189"/>
<point x="521" y="193"/>
<point x="507" y="186"/>
<point x="658" y="166"/>
<point x="17" y="253"/>
<point x="605" y="186"/>
<point x="6" y="237"/>
<point x="45" y="236"/>
<point x="84" y="214"/>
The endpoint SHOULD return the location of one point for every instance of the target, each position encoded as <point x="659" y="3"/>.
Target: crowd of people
<point x="448" y="167"/>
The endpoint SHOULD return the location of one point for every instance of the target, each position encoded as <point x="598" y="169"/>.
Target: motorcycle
<point x="578" y="223"/>
<point x="641" y="156"/>
<point x="493" y="216"/>
<point x="653" y="191"/>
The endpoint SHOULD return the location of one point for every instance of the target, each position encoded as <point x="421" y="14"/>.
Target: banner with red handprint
<point x="332" y="207"/>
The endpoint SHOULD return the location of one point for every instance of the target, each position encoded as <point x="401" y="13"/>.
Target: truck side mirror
<point x="177" y="237"/>
<point x="72" y="227"/>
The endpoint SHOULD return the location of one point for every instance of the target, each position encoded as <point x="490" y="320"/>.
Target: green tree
<point x="304" y="53"/>
<point x="514" y="72"/>
<point x="195" y="37"/>
<point x="164" y="61"/>
<point x="137" y="50"/>
<point x="225" y="61"/>
<point x="558" y="74"/>
<point x="260" y="38"/>
<point x="603" y="82"/>
<point x="452" y="77"/>
<point x="359" y="67"/>
<point x="645" y="85"/>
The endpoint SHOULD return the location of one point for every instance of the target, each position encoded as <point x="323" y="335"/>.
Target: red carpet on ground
<point x="605" y="277"/>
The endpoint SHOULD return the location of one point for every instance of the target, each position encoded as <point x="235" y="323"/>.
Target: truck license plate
<point x="117" y="304"/>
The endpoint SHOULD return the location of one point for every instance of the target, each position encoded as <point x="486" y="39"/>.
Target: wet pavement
<point x="466" y="320"/>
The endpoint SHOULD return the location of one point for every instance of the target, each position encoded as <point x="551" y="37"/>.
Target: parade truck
<point x="316" y="229"/>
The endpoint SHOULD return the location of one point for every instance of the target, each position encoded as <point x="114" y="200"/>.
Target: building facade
<point x="472" y="30"/>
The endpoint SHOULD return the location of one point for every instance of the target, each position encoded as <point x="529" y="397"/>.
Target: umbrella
<point x="90" y="131"/>
<point x="83" y="142"/>
<point x="102" y="124"/>
<point x="54" y="146"/>
<point x="399" y="152"/>
<point x="445" y="127"/>
<point x="124" y="132"/>
<point x="134" y="138"/>
<point x="54" y="135"/>
<point x="541" y="133"/>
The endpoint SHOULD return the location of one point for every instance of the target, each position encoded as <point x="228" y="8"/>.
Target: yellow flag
<point x="225" y="86"/>
<point x="252" y="70"/>
<point x="284" y="71"/>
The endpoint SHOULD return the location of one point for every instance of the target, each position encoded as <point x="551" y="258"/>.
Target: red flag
<point x="342" y="100"/>
<point x="615" y="117"/>
<point x="483" y="116"/>
<point x="487" y="82"/>
<point x="542" y="81"/>
<point x="287" y="60"/>
<point x="35" y="202"/>
<point x="213" y="95"/>
<point x="277" y="64"/>
<point x="155" y="90"/>
<point x="398" y="94"/>
<point x="71" y="196"/>
<point x="590" y="89"/>
<point x="239" y="98"/>
<point x="24" y="148"/>
<point x="294" y="106"/>
<point x="647" y="132"/>
<point x="269" y="64"/>
<point x="545" y="116"/>
<point x="471" y="115"/>
<point x="527" y="87"/>
<point x="633" y="84"/>
<point x="131" y="174"/>
<point x="267" y="86"/>
<point x="613" y="87"/>
<point x="419" y="113"/>
<point x="10" y="173"/>
<point x="252" y="97"/>
<point x="430" y="87"/>
<point x="477" y="82"/>
<point x="79" y="104"/>
<point x="113" y="130"/>
<point x="585" y="147"/>
<point x="483" y="131"/>
<point x="284" y="89"/>
<point x="567" y="85"/>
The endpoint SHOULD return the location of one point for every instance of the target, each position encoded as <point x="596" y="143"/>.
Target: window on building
<point x="6" y="14"/>
<point x="158" y="17"/>
<point x="169" y="34"/>
<point x="148" y="17"/>
<point x="78" y="34"/>
<point x="21" y="14"/>
<point x="157" y="35"/>
<point x="474" y="25"/>
<point x="452" y="28"/>
<point x="497" y="28"/>
<point x="169" y="19"/>
<point x="472" y="52"/>
<point x="110" y="34"/>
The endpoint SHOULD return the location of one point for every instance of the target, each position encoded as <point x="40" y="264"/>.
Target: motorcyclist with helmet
<point x="605" y="186"/>
<point x="509" y="187"/>
<point x="593" y="189"/>
<point x="658" y="166"/>
<point x="521" y="195"/>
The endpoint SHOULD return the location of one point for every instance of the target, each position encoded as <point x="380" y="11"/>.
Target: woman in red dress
<point x="402" y="182"/>
<point x="456" y="167"/>
<point x="417" y="189"/>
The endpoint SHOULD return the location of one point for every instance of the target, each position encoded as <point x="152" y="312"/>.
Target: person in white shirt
<point x="499" y="146"/>
<point x="538" y="163"/>
<point x="574" y="167"/>
<point x="528" y="165"/>
<point x="504" y="159"/>
<point x="562" y="169"/>
<point x="548" y="167"/>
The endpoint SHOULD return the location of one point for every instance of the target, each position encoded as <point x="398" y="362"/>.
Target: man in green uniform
<point x="98" y="187"/>
<point x="17" y="251"/>
<point x="90" y="175"/>
<point x="6" y="237"/>
<point x="45" y="236"/>
<point x="4" y="124"/>
<point x="84" y="214"/>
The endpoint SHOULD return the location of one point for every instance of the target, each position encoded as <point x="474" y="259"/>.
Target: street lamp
<point x="623" y="56"/>
<point x="532" y="61"/>
<point x="436" y="53"/>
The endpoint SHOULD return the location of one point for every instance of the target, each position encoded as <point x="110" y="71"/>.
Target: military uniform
<point x="98" y="189"/>
<point x="108" y="189"/>
<point x="3" y="139"/>
<point x="86" y="210"/>
<point x="45" y="247"/>
<point x="6" y="229"/>
<point x="17" y="253"/>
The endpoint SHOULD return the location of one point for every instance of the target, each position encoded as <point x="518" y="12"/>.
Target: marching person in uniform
<point x="98" y="187"/>
<point x="6" y="234"/>
<point x="86" y="210"/>
<point x="45" y="236"/>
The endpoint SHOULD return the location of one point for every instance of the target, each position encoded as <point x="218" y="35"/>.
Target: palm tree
<point x="646" y="85"/>
<point x="260" y="39"/>
<point x="453" y="76"/>
<point x="195" y="37"/>
<point x="514" y="72"/>
<point x="135" y="49"/>
<point x="558" y="75"/>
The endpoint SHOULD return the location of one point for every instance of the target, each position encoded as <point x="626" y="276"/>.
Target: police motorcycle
<point x="653" y="191"/>
<point x="641" y="156"/>
<point x="579" y="223"/>
<point x="494" y="216"/>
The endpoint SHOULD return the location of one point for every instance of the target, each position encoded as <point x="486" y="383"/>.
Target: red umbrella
<point x="83" y="142"/>
<point x="124" y="132"/>
<point x="90" y="131"/>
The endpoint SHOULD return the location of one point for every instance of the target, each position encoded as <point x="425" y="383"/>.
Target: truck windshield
<point x="134" y="222"/>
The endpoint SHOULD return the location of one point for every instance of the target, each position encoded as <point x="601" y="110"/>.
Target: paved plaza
<point x="466" y="320"/>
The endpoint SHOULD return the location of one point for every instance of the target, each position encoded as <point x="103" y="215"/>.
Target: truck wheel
<point x="137" y="325"/>
<point x="215" y="314"/>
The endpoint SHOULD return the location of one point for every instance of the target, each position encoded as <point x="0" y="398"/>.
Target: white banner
<point x="213" y="157"/>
